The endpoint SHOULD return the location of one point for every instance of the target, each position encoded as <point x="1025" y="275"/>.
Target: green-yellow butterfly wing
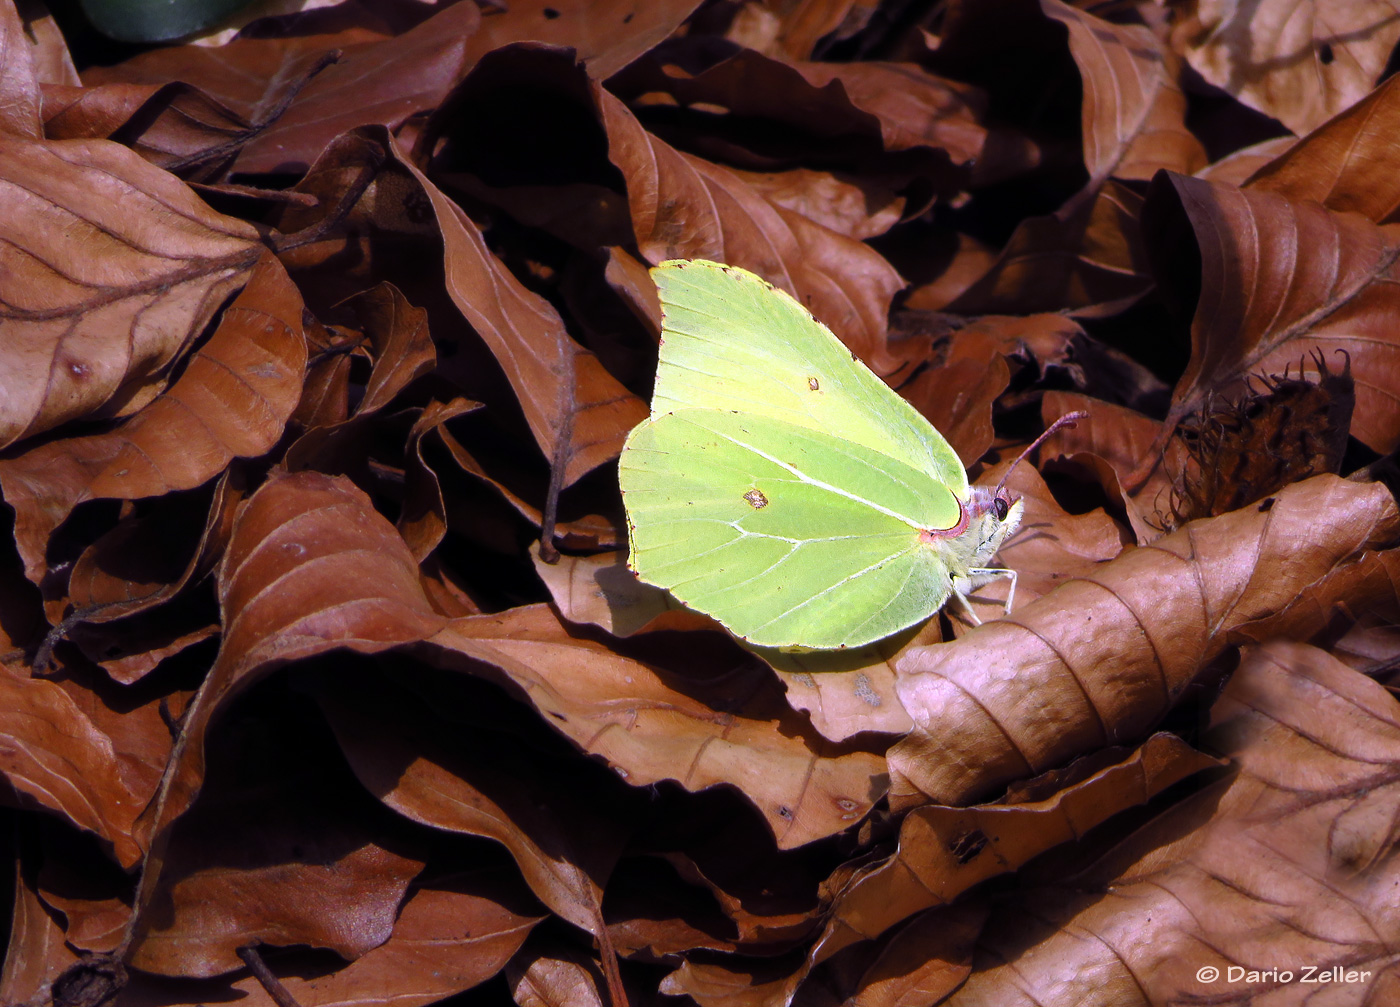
<point x="733" y="341"/>
<point x="778" y="485"/>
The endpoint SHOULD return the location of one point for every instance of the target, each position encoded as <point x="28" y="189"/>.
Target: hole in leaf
<point x="1325" y="55"/>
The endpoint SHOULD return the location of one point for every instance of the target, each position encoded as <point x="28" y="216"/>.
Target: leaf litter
<point x="325" y="681"/>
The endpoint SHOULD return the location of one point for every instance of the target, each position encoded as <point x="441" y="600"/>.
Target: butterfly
<point x="783" y="489"/>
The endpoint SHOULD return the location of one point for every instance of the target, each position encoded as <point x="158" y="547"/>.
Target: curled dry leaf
<point x="943" y="851"/>
<point x="577" y="411"/>
<point x="685" y="207"/>
<point x="492" y="784"/>
<point x="233" y="399"/>
<point x="37" y="953"/>
<point x="1280" y="868"/>
<point x="110" y="268"/>
<point x="282" y="848"/>
<point x="310" y="567"/>
<point x="53" y="756"/>
<point x="1134" y="110"/>
<point x="600" y="591"/>
<point x="1279" y="279"/>
<point x="606" y="34"/>
<point x="1111" y="442"/>
<point x="1339" y="164"/>
<point x="1237" y="167"/>
<point x="452" y="933"/>
<point x="1089" y="256"/>
<point x="1300" y="61"/>
<point x="1059" y="678"/>
<point x="713" y="728"/>
<point x="558" y="979"/>
<point x="145" y="561"/>
<point x="175" y="126"/>
<point x="868" y="105"/>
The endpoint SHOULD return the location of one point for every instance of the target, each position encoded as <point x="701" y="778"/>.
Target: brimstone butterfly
<point x="783" y="489"/>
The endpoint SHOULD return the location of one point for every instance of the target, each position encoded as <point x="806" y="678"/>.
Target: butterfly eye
<point x="1001" y="507"/>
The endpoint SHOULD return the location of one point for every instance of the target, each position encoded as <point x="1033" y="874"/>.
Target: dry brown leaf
<point x="37" y="953"/>
<point x="555" y="979"/>
<point x="111" y="268"/>
<point x="145" y="561"/>
<point x="304" y="90"/>
<point x="233" y="399"/>
<point x="1282" y="867"/>
<point x="1088" y="257"/>
<point x="311" y="567"/>
<point x="564" y="838"/>
<point x="1134" y="110"/>
<point x="1340" y="164"/>
<point x="287" y="847"/>
<point x="1237" y="167"/>
<point x="578" y="412"/>
<point x="915" y="108"/>
<point x="600" y="591"/>
<point x="685" y="207"/>
<point x="19" y="89"/>
<point x="1098" y="660"/>
<point x="1300" y="61"/>
<point x="924" y="962"/>
<point x="606" y="34"/>
<point x="54" y="757"/>
<point x="710" y="727"/>
<point x="1279" y="279"/>
<point x="943" y="852"/>
<point x="793" y="28"/>
<point x="1111" y="442"/>
<point x="48" y="48"/>
<point x="453" y="933"/>
<point x="402" y="350"/>
<point x="175" y="126"/>
<point x="857" y="211"/>
<point x="423" y="519"/>
<point x="400" y="750"/>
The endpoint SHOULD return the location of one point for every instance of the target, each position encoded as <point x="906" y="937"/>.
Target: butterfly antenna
<point x="1067" y="420"/>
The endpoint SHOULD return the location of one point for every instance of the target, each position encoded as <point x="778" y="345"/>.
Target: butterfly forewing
<point x="789" y="536"/>
<point x="732" y="341"/>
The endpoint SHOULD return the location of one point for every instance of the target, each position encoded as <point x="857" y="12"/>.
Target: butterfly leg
<point x="986" y="574"/>
<point x="959" y="601"/>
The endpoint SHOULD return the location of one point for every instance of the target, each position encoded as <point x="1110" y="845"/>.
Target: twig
<point x="270" y="982"/>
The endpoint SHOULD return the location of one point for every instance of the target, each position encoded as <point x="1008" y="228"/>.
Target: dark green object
<point x="157" y="20"/>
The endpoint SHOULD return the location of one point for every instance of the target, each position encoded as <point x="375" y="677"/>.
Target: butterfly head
<point x="993" y="515"/>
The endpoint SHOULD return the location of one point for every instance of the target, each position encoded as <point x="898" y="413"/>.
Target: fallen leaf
<point x="233" y="399"/>
<point x="288" y="848"/>
<point x="1273" y="869"/>
<point x="310" y="568"/>
<point x="1026" y="693"/>
<point x="1277" y="280"/>
<point x="53" y="757"/>
<point x="1299" y="61"/>
<point x="112" y="268"/>
<point x="733" y="728"/>
<point x="1134" y="110"/>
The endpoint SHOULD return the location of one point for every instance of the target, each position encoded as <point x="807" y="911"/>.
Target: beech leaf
<point x="1021" y="695"/>
<point x="111" y="267"/>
